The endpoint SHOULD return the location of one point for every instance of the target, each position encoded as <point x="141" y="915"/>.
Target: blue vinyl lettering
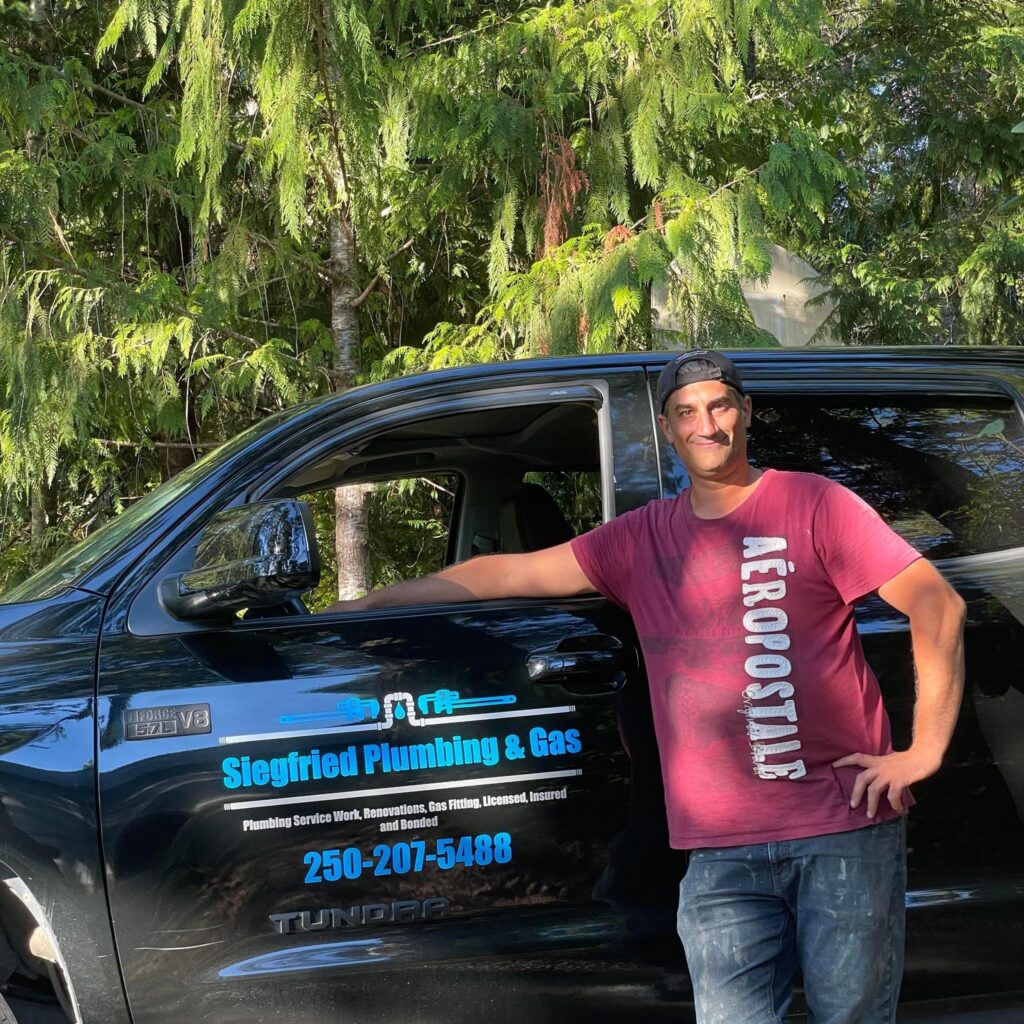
<point x="404" y="858"/>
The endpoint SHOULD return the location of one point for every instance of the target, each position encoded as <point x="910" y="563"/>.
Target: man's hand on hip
<point x="937" y="615"/>
<point x="888" y="775"/>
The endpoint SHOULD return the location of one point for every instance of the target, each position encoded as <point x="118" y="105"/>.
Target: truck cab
<point x="222" y="807"/>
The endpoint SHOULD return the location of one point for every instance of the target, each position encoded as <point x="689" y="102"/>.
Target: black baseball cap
<point x="693" y="366"/>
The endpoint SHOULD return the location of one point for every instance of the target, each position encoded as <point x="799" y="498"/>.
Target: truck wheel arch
<point x="28" y="943"/>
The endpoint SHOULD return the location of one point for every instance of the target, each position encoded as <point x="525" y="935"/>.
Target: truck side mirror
<point x="253" y="556"/>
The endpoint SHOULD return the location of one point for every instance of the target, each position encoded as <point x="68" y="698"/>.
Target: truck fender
<point x="30" y="942"/>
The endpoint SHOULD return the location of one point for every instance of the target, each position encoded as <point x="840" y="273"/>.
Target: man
<point x="779" y="772"/>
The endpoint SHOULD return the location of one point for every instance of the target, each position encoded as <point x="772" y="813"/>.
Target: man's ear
<point x="748" y="411"/>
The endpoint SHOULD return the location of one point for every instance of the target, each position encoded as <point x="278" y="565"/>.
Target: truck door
<point x="397" y="814"/>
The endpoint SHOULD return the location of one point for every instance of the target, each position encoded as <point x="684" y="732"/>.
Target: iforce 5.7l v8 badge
<point x="162" y="723"/>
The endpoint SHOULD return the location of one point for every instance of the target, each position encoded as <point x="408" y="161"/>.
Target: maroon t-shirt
<point x="758" y="678"/>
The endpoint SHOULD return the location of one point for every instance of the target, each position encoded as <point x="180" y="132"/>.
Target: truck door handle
<point x="587" y="666"/>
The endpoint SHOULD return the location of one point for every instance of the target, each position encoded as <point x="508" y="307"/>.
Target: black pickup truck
<point x="218" y="808"/>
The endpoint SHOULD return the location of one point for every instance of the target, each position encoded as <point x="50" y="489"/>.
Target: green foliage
<point x="409" y="522"/>
<point x="129" y="341"/>
<point x="517" y="176"/>
<point x="923" y="245"/>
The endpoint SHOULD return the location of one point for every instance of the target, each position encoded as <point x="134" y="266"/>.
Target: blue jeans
<point x="832" y="905"/>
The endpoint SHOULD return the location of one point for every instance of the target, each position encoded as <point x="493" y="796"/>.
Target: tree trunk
<point x="351" y="503"/>
<point x="178" y="458"/>
<point x="37" y="527"/>
<point x="351" y="534"/>
<point x="41" y="34"/>
<point x="42" y="511"/>
<point x="41" y="497"/>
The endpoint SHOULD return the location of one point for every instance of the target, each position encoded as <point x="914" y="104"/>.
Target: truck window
<point x="946" y="474"/>
<point x="445" y="488"/>
<point x="408" y="531"/>
<point x="77" y="562"/>
<point x="576" y="492"/>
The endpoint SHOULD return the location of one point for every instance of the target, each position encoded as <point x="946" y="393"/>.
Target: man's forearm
<point x="479" y="579"/>
<point x="938" y="640"/>
<point x="936" y="614"/>
<point x="553" y="572"/>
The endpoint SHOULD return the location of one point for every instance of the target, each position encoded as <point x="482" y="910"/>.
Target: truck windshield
<point x="76" y="562"/>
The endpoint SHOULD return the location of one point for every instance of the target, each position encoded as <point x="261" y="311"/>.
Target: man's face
<point x="707" y="425"/>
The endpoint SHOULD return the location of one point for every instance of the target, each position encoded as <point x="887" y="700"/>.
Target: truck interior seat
<point x="530" y="520"/>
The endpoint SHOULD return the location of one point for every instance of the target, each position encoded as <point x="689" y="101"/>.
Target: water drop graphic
<point x="399" y="711"/>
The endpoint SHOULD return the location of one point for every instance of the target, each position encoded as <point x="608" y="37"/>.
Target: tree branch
<point x="154" y="185"/>
<point x="176" y="445"/>
<point x="181" y="311"/>
<point x="117" y="96"/>
<point x="367" y="291"/>
<point x="316" y="267"/>
<point x="463" y="35"/>
<point x="236" y="147"/>
<point x="714" y="192"/>
<point x="329" y="182"/>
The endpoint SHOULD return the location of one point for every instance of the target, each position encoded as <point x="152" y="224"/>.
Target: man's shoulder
<point x="819" y="496"/>
<point x="813" y="484"/>
<point x="656" y="511"/>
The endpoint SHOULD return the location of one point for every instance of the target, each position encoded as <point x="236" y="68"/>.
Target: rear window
<point x="947" y="475"/>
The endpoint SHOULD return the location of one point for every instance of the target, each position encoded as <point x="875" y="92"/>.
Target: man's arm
<point x="936" y="614"/>
<point x="552" y="572"/>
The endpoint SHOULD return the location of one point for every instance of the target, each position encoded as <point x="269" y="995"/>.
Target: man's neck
<point x="712" y="499"/>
